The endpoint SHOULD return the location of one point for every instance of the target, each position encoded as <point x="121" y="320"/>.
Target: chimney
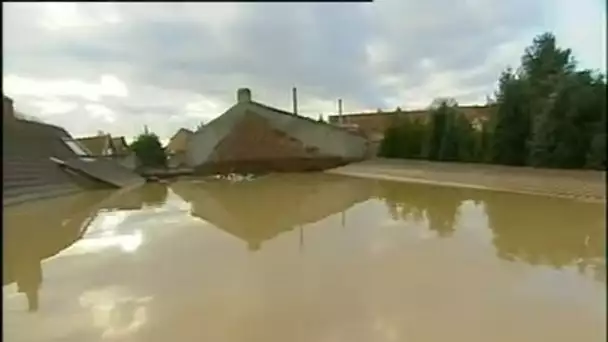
<point x="243" y="95"/>
<point x="8" y="111"/>
<point x="295" y="100"/>
<point x="340" y="111"/>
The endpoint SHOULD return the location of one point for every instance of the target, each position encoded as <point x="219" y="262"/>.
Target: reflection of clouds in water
<point x="115" y="311"/>
<point x="128" y="243"/>
<point x="564" y="284"/>
<point x="472" y="224"/>
<point x="108" y="220"/>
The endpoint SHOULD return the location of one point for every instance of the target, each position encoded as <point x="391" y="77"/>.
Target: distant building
<point x="253" y="137"/>
<point x="177" y="146"/>
<point x="104" y="145"/>
<point x="374" y="124"/>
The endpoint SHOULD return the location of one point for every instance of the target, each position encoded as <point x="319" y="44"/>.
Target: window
<point x="76" y="147"/>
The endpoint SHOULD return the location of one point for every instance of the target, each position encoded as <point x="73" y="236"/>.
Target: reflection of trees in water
<point x="537" y="230"/>
<point x="549" y="231"/>
<point x="440" y="204"/>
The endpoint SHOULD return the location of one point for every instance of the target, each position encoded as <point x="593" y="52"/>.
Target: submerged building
<point x="42" y="160"/>
<point x="251" y="137"/>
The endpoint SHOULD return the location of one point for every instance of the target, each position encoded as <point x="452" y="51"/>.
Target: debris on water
<point x="235" y="177"/>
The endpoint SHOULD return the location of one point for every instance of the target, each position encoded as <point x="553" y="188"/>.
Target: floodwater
<point x="304" y="258"/>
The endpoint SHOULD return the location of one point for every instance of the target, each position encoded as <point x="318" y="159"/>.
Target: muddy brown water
<point x="312" y="257"/>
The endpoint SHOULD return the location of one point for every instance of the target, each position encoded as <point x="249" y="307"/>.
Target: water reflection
<point x="39" y="230"/>
<point x="258" y="210"/>
<point x="328" y="262"/>
<point x="537" y="230"/>
<point x="548" y="231"/>
<point x="417" y="201"/>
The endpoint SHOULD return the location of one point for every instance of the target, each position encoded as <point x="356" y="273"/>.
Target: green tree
<point x="547" y="70"/>
<point x="482" y="139"/>
<point x="450" y="135"/>
<point x="404" y="139"/>
<point x="439" y="110"/>
<point x="510" y="122"/>
<point x="389" y="146"/>
<point x="149" y="150"/>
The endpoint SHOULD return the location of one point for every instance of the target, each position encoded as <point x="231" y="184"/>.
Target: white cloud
<point x="119" y="66"/>
<point x="100" y="111"/>
<point x="109" y="85"/>
<point x="66" y="15"/>
<point x="54" y="106"/>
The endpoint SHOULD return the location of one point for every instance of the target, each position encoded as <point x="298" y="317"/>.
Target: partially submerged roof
<point x="326" y="140"/>
<point x="35" y="156"/>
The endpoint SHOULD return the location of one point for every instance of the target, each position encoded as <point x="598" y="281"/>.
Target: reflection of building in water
<point x="37" y="230"/>
<point x="258" y="210"/>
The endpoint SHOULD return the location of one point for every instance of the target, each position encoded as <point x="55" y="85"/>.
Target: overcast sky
<point x="116" y="67"/>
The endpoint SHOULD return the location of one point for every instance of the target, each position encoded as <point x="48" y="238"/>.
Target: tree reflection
<point x="548" y="231"/>
<point x="415" y="201"/>
<point x="534" y="229"/>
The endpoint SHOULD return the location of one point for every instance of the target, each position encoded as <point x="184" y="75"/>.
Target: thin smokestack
<point x="340" y="110"/>
<point x="294" y="94"/>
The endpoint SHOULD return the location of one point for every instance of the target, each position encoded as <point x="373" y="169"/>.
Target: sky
<point x="116" y="67"/>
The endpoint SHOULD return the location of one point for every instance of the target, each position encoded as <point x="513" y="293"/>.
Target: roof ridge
<point x="305" y="118"/>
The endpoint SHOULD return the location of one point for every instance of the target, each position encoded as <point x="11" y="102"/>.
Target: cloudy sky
<point x="116" y="67"/>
